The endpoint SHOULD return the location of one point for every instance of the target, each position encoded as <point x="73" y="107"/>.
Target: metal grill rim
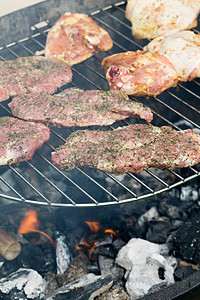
<point x="41" y="199"/>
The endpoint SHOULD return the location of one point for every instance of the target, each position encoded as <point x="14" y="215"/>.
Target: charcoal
<point x="76" y="269"/>
<point x="118" y="244"/>
<point x="183" y="273"/>
<point x="22" y="284"/>
<point x="187" y="239"/>
<point x="86" y="287"/>
<point x="93" y="267"/>
<point x="63" y="256"/>
<point x="115" y="293"/>
<point x="143" y="261"/>
<point x="158" y="231"/>
<point x="108" y="267"/>
<point x="51" y="282"/>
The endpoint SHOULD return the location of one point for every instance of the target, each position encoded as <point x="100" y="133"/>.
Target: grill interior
<point x="40" y="182"/>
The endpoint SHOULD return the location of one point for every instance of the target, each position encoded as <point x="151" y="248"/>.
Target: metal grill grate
<point x="40" y="182"/>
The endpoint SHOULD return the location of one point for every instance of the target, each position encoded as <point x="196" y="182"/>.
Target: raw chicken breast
<point x="76" y="37"/>
<point x="139" y="73"/>
<point x="152" y="18"/>
<point x="182" y="49"/>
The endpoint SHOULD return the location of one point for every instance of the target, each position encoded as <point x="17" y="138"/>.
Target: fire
<point x="30" y="223"/>
<point x="111" y="231"/>
<point x="94" y="226"/>
<point x="90" y="246"/>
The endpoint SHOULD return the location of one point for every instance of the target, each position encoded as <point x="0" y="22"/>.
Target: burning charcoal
<point x="189" y="193"/>
<point x="183" y="273"/>
<point x="158" y="231"/>
<point x="93" y="267"/>
<point x="51" y="282"/>
<point x="86" y="287"/>
<point x="76" y="269"/>
<point x="63" y="256"/>
<point x="149" y="215"/>
<point x="22" y="284"/>
<point x="108" y="267"/>
<point x="187" y="239"/>
<point x="115" y="293"/>
<point x="174" y="208"/>
<point x="143" y="261"/>
<point x="105" y="251"/>
<point x="118" y="244"/>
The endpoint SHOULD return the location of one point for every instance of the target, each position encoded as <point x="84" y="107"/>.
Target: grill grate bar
<point x="50" y="182"/>
<point x="121" y="184"/>
<point x="178" y="113"/>
<point x="141" y="182"/>
<point x="157" y="178"/>
<point x="11" y="188"/>
<point x="184" y="102"/>
<point x="29" y="184"/>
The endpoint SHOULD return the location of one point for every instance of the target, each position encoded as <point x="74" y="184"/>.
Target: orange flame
<point x="30" y="223"/>
<point x="111" y="231"/>
<point x="94" y="226"/>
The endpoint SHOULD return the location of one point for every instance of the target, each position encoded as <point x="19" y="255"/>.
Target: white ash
<point x="86" y="287"/>
<point x="151" y="214"/>
<point x="26" y="280"/>
<point x="189" y="193"/>
<point x="142" y="261"/>
<point x="63" y="256"/>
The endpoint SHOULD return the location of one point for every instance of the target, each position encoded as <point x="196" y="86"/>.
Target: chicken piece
<point x="182" y="49"/>
<point x="76" y="37"/>
<point x="139" y="73"/>
<point x="151" y="18"/>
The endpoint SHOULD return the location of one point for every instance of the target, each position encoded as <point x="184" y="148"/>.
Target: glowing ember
<point x="30" y="223"/>
<point x="94" y="226"/>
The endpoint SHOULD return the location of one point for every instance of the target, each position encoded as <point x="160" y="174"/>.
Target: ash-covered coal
<point x="164" y="220"/>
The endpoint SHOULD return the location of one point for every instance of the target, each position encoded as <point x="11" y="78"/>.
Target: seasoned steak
<point x="32" y="74"/>
<point x="75" y="107"/>
<point x="133" y="148"/>
<point x="20" y="139"/>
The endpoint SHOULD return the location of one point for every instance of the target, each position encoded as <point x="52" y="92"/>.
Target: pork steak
<point x="32" y="74"/>
<point x="133" y="148"/>
<point x="20" y="139"/>
<point x="74" y="107"/>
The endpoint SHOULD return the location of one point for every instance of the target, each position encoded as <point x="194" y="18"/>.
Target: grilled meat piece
<point x="152" y="18"/>
<point x="132" y="148"/>
<point x="182" y="49"/>
<point x="75" y="107"/>
<point x="32" y="74"/>
<point x="20" y="139"/>
<point x="139" y="73"/>
<point x="76" y="37"/>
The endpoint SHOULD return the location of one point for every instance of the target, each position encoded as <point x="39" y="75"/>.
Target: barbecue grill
<point x="40" y="182"/>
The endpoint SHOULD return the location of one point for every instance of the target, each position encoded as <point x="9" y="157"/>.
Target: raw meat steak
<point x="133" y="148"/>
<point x="75" y="107"/>
<point x="32" y="74"/>
<point x="20" y="139"/>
